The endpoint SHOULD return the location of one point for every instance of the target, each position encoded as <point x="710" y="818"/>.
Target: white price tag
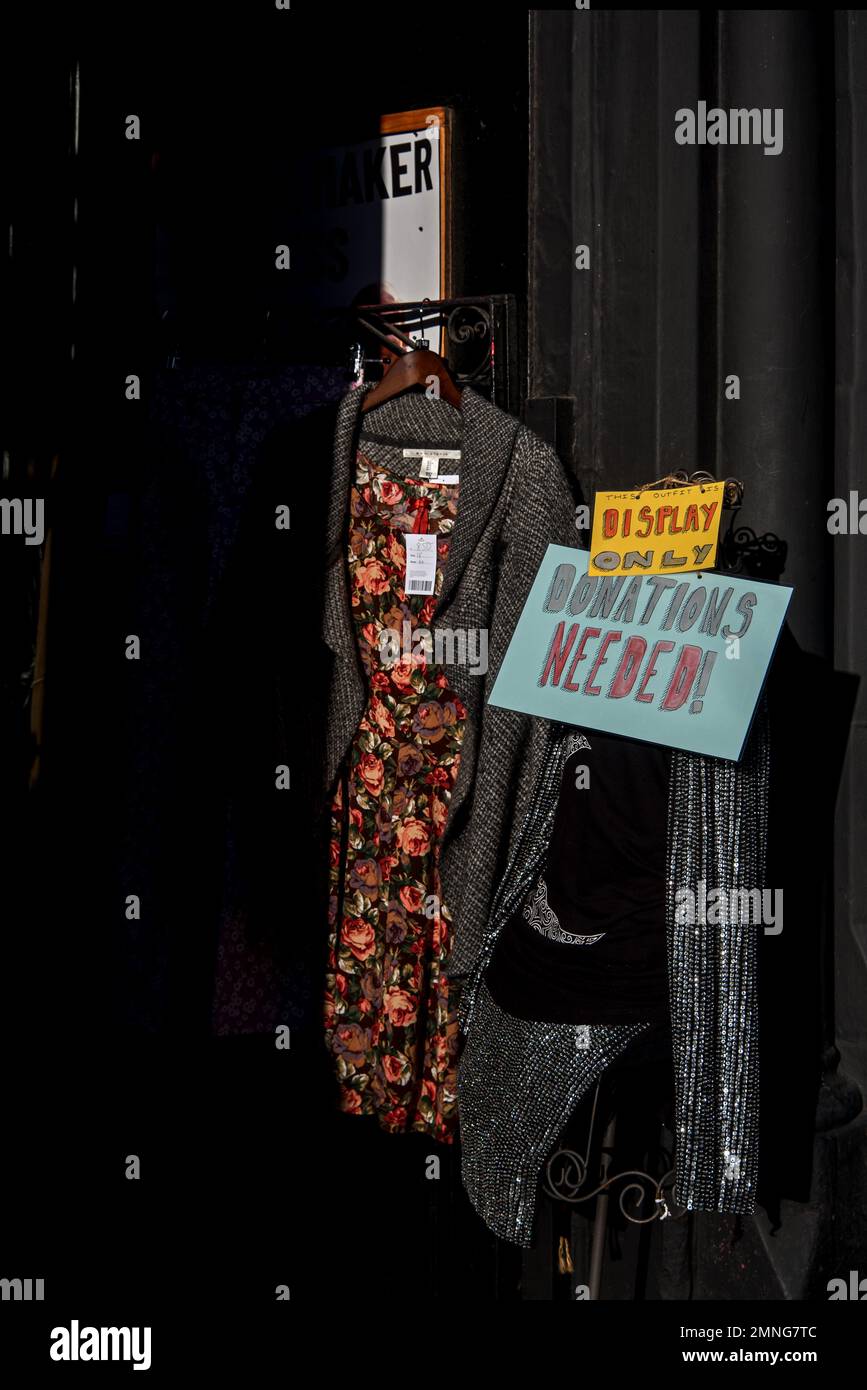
<point x="421" y="564"/>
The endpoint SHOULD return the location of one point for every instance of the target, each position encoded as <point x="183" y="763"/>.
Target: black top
<point x="604" y="877"/>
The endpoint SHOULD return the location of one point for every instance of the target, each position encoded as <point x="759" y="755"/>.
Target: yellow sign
<point x="659" y="531"/>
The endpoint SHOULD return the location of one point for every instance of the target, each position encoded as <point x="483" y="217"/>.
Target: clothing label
<point x="421" y="563"/>
<point x="430" y="472"/>
<point x="429" y="469"/>
<point x="431" y="453"/>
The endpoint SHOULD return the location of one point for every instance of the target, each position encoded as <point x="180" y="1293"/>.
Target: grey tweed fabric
<point x="515" y="500"/>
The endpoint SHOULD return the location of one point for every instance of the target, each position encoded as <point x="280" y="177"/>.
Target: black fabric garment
<point x="605" y="874"/>
<point x="638" y="1088"/>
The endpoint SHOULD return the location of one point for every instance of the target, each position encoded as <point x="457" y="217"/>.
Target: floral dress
<point x="389" y="1026"/>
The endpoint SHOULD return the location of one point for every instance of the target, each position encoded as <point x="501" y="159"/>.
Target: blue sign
<point x="676" y="660"/>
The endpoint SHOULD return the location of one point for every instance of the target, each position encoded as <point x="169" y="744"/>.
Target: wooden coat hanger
<point x="414" y="368"/>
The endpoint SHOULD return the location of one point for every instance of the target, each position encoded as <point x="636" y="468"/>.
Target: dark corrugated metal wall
<point x="707" y="262"/>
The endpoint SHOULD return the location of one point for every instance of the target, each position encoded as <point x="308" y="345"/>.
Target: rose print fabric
<point x="389" y="1025"/>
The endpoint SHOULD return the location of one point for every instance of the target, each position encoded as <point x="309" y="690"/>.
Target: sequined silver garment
<point x="518" y="1082"/>
<point x="717" y="833"/>
<point x="543" y="919"/>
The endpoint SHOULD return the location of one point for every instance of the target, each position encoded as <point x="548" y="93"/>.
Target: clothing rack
<point x="477" y="336"/>
<point x="568" y="1178"/>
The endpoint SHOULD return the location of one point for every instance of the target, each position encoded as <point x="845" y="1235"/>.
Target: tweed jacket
<point x="298" y="689"/>
<point x="514" y="500"/>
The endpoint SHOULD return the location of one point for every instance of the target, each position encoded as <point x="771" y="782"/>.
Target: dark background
<point x="707" y="262"/>
<point x="252" y="1180"/>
